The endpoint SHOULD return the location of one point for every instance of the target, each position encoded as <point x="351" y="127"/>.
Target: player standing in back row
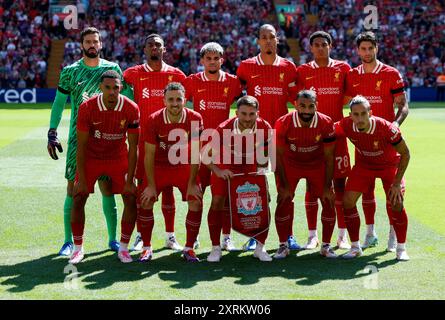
<point x="326" y="77"/>
<point x="382" y="85"/>
<point x="81" y="81"/>
<point x="213" y="91"/>
<point x="267" y="77"/>
<point x="149" y="81"/>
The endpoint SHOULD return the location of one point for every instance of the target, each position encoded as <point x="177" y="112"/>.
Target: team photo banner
<point x="249" y="205"/>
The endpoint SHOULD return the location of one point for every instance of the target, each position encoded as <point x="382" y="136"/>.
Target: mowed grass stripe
<point x="14" y="124"/>
<point x="32" y="233"/>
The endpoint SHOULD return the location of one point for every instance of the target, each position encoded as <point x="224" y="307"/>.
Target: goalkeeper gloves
<point x="53" y="143"/>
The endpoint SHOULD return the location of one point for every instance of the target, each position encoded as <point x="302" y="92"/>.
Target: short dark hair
<point x="172" y="86"/>
<point x="366" y="36"/>
<point x="153" y="35"/>
<point x="320" y="34"/>
<point x="87" y="31"/>
<point x="308" y="94"/>
<point x="247" y="101"/>
<point x="110" y="74"/>
<point x="264" y="27"/>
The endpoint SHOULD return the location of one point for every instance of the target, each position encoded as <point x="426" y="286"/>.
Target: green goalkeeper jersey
<point x="80" y="82"/>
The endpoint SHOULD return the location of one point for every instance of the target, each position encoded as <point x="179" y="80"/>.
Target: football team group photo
<point x="222" y="149"/>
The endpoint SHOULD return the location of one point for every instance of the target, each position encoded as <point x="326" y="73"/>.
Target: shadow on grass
<point x="102" y="269"/>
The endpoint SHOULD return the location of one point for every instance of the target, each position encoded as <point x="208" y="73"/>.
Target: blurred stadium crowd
<point x="412" y="34"/>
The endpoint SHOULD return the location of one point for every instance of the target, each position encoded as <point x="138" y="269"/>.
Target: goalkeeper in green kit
<point x="81" y="81"/>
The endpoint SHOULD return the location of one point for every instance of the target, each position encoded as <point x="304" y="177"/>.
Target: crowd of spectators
<point x="412" y="34"/>
<point x="184" y="25"/>
<point x="24" y="43"/>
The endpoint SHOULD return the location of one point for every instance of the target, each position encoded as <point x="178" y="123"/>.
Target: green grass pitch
<point x="32" y="190"/>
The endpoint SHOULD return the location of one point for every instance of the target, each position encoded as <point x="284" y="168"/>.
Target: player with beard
<point x="268" y="77"/>
<point x="326" y="77"/>
<point x="235" y="157"/>
<point x="305" y="150"/>
<point x="149" y="81"/>
<point x="383" y="86"/>
<point x="81" y="81"/>
<point x="170" y="131"/>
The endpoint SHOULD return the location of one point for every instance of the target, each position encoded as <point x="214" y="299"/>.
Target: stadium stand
<point x="412" y="34"/>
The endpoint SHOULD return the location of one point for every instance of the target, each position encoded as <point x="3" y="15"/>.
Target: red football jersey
<point x="373" y="149"/>
<point x="233" y="150"/>
<point x="212" y="99"/>
<point x="107" y="128"/>
<point x="157" y="130"/>
<point x="269" y="84"/>
<point x="148" y="85"/>
<point x="328" y="83"/>
<point x="380" y="87"/>
<point x="304" y="145"/>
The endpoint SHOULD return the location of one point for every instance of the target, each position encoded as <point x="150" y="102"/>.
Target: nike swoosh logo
<point x="307" y="78"/>
<point x="201" y="90"/>
<point x="255" y="76"/>
<point x="163" y="136"/>
<point x="355" y="85"/>
<point x="79" y="83"/>
<point x="141" y="79"/>
<point x="96" y="123"/>
<point x="292" y="138"/>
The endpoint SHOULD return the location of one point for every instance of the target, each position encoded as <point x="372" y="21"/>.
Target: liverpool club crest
<point x="248" y="199"/>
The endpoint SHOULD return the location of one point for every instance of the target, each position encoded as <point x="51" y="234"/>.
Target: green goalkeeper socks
<point x="67" y="218"/>
<point x="110" y="212"/>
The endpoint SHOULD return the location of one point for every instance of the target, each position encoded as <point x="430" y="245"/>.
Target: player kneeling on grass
<point x="381" y="152"/>
<point x="242" y="155"/>
<point x="168" y="132"/>
<point x="102" y="126"/>
<point x="305" y="150"/>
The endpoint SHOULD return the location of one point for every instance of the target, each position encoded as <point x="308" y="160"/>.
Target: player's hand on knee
<point x="53" y="144"/>
<point x="396" y="194"/>
<point x="148" y="195"/>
